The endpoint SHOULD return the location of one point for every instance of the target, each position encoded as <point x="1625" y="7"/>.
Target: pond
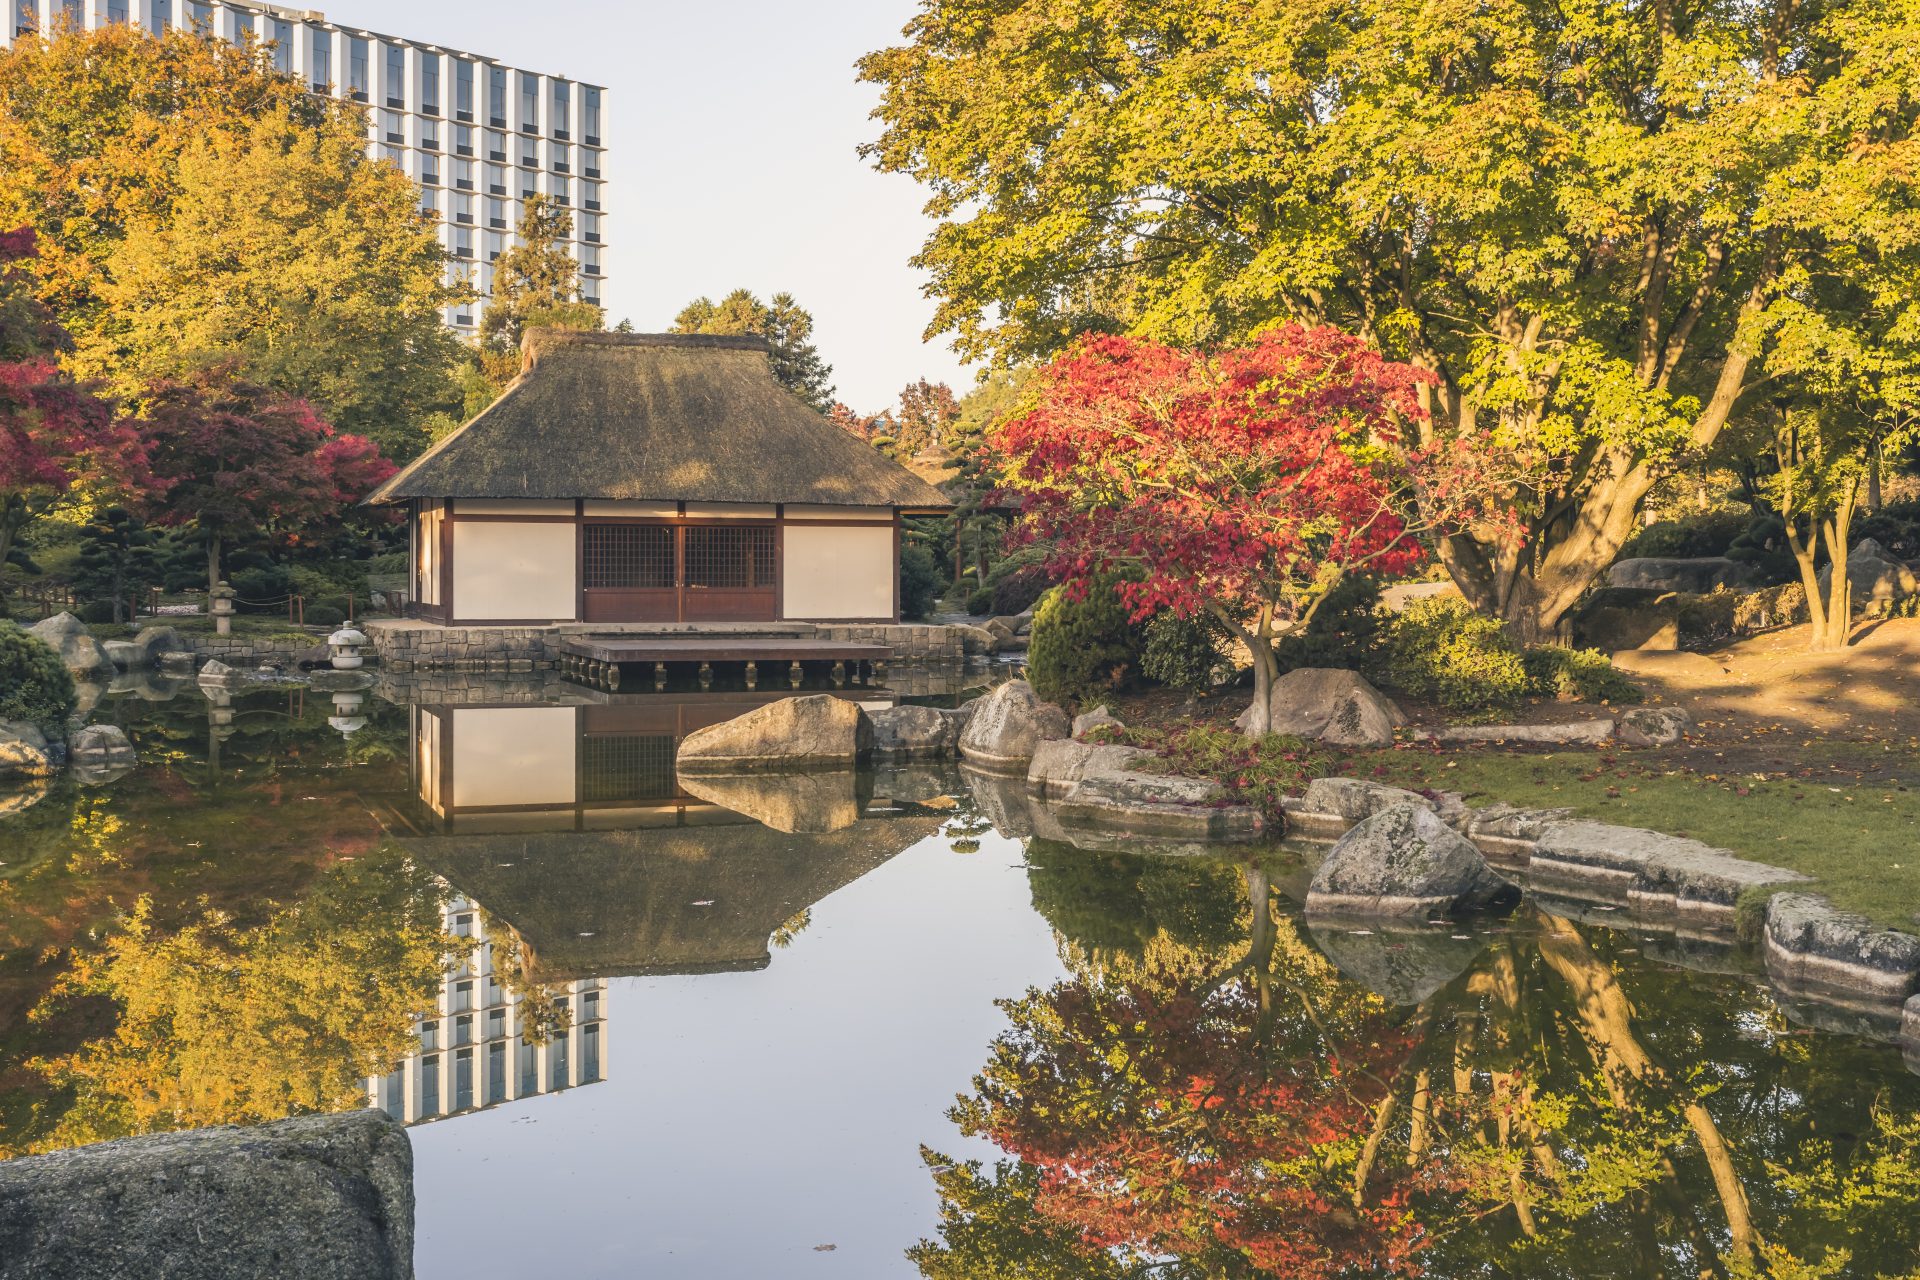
<point x="855" y="1028"/>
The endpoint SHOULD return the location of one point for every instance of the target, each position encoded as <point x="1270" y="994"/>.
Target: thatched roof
<point x="680" y="900"/>
<point x="660" y="417"/>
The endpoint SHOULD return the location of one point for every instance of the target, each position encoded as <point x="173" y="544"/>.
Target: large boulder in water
<point x="24" y="751"/>
<point x="1008" y="725"/>
<point x="916" y="733"/>
<point x="1875" y="577"/>
<point x="154" y="641"/>
<point x="1330" y="704"/>
<point x="818" y="731"/>
<point x="84" y="656"/>
<point x="1403" y="861"/>
<point x="316" y="1198"/>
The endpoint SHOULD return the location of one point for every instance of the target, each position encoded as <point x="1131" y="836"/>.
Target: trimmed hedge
<point x="35" y="685"/>
<point x="1442" y="651"/>
<point x="1083" y="648"/>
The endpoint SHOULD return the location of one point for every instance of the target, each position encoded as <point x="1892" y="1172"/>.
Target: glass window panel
<point x="430" y="83"/>
<point x="320" y="61"/>
<point x="529" y="102"/>
<point x="463" y="1080"/>
<point x="497" y="97"/>
<point x="463" y="89"/>
<point x="281" y="34"/>
<point x="357" y="67"/>
<point x="396" y="86"/>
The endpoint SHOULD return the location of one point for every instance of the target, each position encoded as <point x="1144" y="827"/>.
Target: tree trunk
<point x="213" y="566"/>
<point x="1873" y="476"/>
<point x="1839" y="619"/>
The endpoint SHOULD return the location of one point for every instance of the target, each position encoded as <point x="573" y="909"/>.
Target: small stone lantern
<point x="346" y="717"/>
<point x="220" y="605"/>
<point x="345" y="645"/>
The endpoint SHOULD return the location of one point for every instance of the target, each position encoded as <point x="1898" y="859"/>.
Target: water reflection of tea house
<point x="489" y="1041"/>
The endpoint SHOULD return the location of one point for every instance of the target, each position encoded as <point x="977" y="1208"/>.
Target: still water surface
<point x="638" y="1032"/>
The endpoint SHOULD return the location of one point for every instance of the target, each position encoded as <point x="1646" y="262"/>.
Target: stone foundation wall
<point x="414" y="647"/>
<point x="252" y="651"/>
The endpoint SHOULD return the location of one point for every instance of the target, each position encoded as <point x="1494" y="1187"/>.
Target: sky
<point x="731" y="160"/>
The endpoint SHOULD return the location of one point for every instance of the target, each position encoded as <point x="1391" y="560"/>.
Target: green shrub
<point x="1082" y="648"/>
<point x="1586" y="675"/>
<point x="1186" y="653"/>
<point x="919" y="581"/>
<point x="325" y="615"/>
<point x="388" y="563"/>
<point x="1707" y="534"/>
<point x="261" y="589"/>
<point x="1019" y="580"/>
<point x="95" y="612"/>
<point x="1345" y="632"/>
<point x="980" y="603"/>
<point x="1442" y="651"/>
<point x="35" y="685"/>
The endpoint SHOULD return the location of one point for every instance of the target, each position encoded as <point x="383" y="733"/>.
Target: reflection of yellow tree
<point x="542" y="1014"/>
<point x="783" y="936"/>
<point x="221" y="1024"/>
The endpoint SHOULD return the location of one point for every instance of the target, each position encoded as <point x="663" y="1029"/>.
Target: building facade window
<point x="562" y="121"/>
<point x="557" y="157"/>
<point x="116" y="10"/>
<point x="463" y="209"/>
<point x="590" y="163"/>
<point x="560" y="189"/>
<point x="159" y="12"/>
<point x="463" y="175"/>
<point x="529" y="102"/>
<point x="428" y="200"/>
<point x="496" y="245"/>
<point x="462" y="140"/>
<point x="396" y="86"/>
<point x="430" y="1086"/>
<point x="357" y="68"/>
<point x="497" y="97"/>
<point x="430" y="84"/>
<point x="496" y="146"/>
<point x="429" y="169"/>
<point x="529" y="1068"/>
<point x="590" y="116"/>
<point x="529" y="153"/>
<point x="590" y="228"/>
<point x="590" y="196"/>
<point x="281" y="34"/>
<point x="320" y="62"/>
<point x="496" y="180"/>
<point x="430" y="135"/>
<point x="199" y="14"/>
<point x="463" y="90"/>
<point x="463" y="250"/>
<point x="392" y="127"/>
<point x="496" y="215"/>
<point x="463" y="1080"/>
<point x="496" y="1073"/>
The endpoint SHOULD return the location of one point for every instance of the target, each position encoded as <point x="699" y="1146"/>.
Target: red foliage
<point x="244" y="463"/>
<point x="1186" y="1123"/>
<point x="1243" y="479"/>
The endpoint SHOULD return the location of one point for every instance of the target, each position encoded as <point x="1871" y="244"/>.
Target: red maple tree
<point x="241" y="463"/>
<point x="1244" y="483"/>
<point x="59" y="442"/>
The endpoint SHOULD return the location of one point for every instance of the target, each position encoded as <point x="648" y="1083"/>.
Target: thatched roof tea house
<point x="653" y="478"/>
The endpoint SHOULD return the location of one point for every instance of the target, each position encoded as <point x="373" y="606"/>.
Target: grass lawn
<point x="1840" y="812"/>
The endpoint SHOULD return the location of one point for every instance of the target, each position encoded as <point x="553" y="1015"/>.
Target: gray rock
<point x="1154" y="804"/>
<point x="1649" y="872"/>
<point x="975" y="641"/>
<point x="125" y="655"/>
<point x="1355" y="799"/>
<point x="317" y="1198"/>
<point x="1403" y="966"/>
<point x="1502" y="830"/>
<point x="1628" y="628"/>
<point x="1875" y="577"/>
<point x="1658" y="573"/>
<point x="101" y="744"/>
<point x="1815" y="949"/>
<point x="818" y="731"/>
<point x="157" y="641"/>
<point x="219" y="674"/>
<point x="177" y="662"/>
<point x="24" y="751"/>
<point x="916" y="733"/>
<point x="84" y="656"/>
<point x="1008" y="725"/>
<point x="1061" y="764"/>
<point x="1100" y="717"/>
<point x="1570" y="732"/>
<point x="1653" y="726"/>
<point x="1403" y="861"/>
<point x="1910" y="1032"/>
<point x="1329" y="703"/>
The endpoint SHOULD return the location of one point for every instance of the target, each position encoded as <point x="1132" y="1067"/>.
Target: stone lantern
<point x="346" y="717"/>
<point x="220" y="605"/>
<point x="345" y="645"/>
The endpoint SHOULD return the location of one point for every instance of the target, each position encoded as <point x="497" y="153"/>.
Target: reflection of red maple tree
<point x="1206" y="1122"/>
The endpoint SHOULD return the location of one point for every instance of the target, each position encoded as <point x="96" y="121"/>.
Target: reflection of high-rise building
<point x="476" y="1050"/>
<point x="477" y="137"/>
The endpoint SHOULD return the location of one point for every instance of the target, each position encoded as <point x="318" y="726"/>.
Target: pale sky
<point x="730" y="160"/>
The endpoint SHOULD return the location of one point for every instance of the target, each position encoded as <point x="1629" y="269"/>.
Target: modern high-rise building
<point x="477" y="136"/>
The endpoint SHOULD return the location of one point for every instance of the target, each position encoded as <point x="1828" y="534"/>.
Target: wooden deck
<point x="599" y="660"/>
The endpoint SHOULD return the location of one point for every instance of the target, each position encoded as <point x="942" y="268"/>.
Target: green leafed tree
<point x="783" y="322"/>
<point x="193" y="206"/>
<point x="1596" y="224"/>
<point x="536" y="284"/>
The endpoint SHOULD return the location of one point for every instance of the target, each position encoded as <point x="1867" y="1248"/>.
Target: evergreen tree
<point x="784" y="323"/>
<point x="536" y="284"/>
<point x="119" y="556"/>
